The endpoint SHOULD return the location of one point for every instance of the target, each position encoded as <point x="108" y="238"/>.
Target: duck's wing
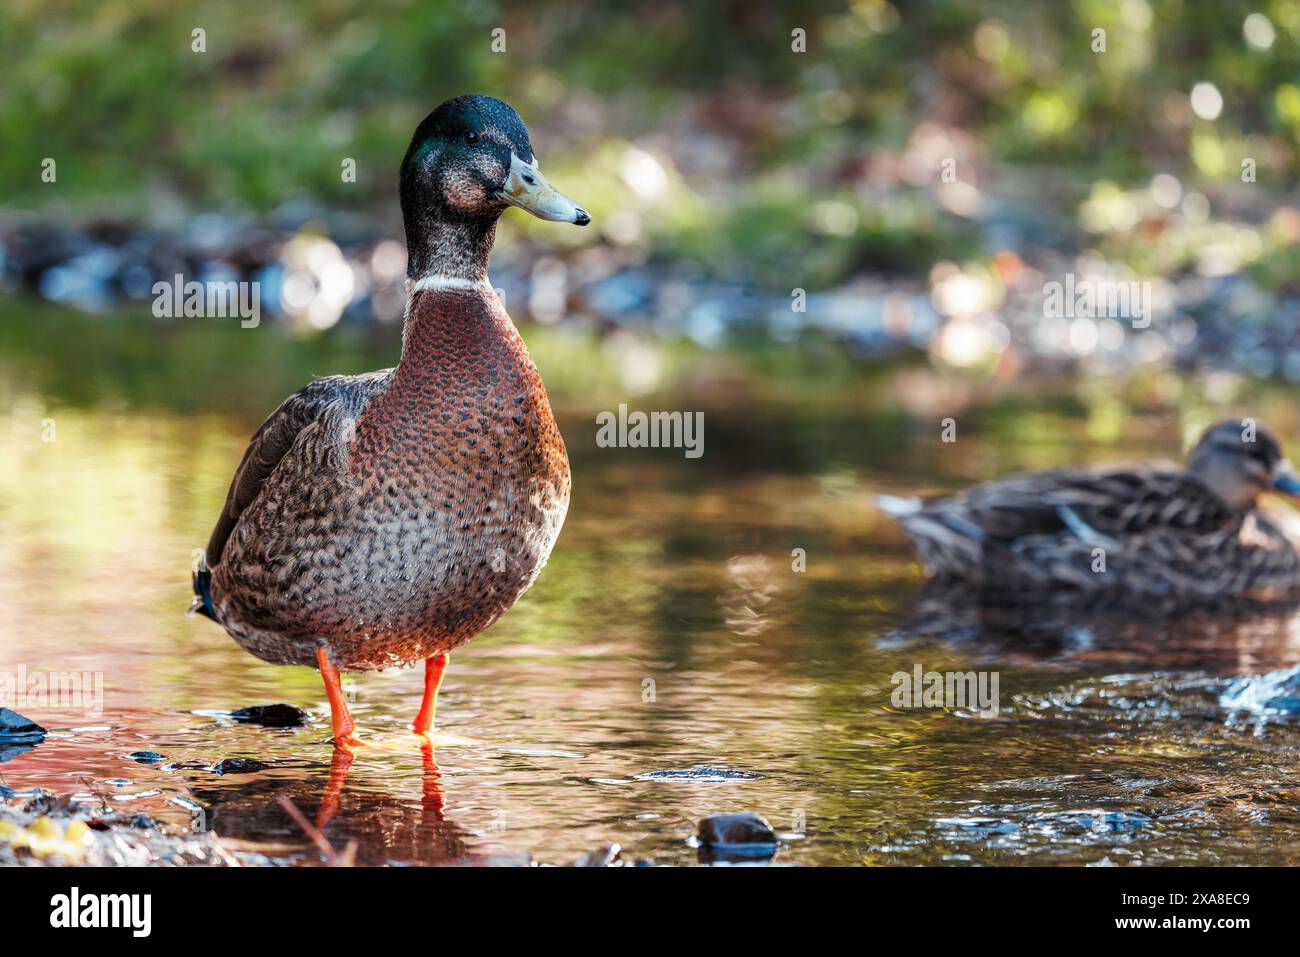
<point x="1047" y="525"/>
<point x="1092" y="505"/>
<point x="333" y="399"/>
<point x="1266" y="556"/>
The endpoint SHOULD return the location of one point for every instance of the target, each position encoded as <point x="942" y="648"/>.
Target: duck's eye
<point x="471" y="137"/>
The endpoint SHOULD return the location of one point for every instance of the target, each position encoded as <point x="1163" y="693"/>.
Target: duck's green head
<point x="470" y="159"/>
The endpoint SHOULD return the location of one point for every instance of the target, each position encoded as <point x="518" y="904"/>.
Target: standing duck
<point x="1193" y="533"/>
<point x="387" y="518"/>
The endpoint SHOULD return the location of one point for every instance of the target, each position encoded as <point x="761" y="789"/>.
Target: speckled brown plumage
<point x="407" y="509"/>
<point x="381" y="519"/>
<point x="1194" y="533"/>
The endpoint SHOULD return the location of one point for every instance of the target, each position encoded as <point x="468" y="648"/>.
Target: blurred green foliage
<point x="142" y="126"/>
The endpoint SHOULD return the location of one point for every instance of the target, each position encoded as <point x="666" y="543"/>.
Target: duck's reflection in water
<point x="1075" y="632"/>
<point x="347" y="806"/>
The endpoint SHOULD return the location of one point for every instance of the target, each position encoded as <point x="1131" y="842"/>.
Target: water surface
<point x="670" y="663"/>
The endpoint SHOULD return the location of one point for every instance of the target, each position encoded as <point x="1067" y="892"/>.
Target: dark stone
<point x="144" y="822"/>
<point x="272" y="716"/>
<point x="18" y="734"/>
<point x="738" y="835"/>
<point x="17" y="729"/>
<point x="240" y="766"/>
<point x="146" y="757"/>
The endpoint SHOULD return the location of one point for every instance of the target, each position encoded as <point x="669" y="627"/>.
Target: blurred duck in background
<point x="1192" y="533"/>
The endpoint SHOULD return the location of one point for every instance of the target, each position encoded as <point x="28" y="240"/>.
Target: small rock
<point x="240" y="766"/>
<point x="17" y="734"/>
<point x="272" y="716"/>
<point x="146" y="757"/>
<point x="143" y="822"/>
<point x="17" y="729"/>
<point x="738" y="835"/>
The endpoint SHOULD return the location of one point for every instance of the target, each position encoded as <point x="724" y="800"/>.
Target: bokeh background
<point x="724" y="172"/>
<point x="724" y="169"/>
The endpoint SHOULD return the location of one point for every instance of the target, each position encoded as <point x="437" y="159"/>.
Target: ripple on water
<point x="700" y="775"/>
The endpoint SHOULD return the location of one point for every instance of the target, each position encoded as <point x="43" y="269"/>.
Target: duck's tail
<point x="948" y="543"/>
<point x="201" y="579"/>
<point x="897" y="506"/>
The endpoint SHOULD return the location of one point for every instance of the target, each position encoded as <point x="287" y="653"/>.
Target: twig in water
<point x="332" y="858"/>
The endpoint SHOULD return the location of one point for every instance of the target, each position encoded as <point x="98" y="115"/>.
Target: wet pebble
<point x="240" y="766"/>
<point x="744" y="834"/>
<point x="18" y="734"/>
<point x="19" y="729"/>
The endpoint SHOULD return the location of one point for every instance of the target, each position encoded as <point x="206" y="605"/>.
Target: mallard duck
<point x="383" y="519"/>
<point x="1156" y="530"/>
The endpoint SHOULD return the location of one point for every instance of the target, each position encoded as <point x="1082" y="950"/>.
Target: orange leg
<point x="434" y="668"/>
<point x="339" y="714"/>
